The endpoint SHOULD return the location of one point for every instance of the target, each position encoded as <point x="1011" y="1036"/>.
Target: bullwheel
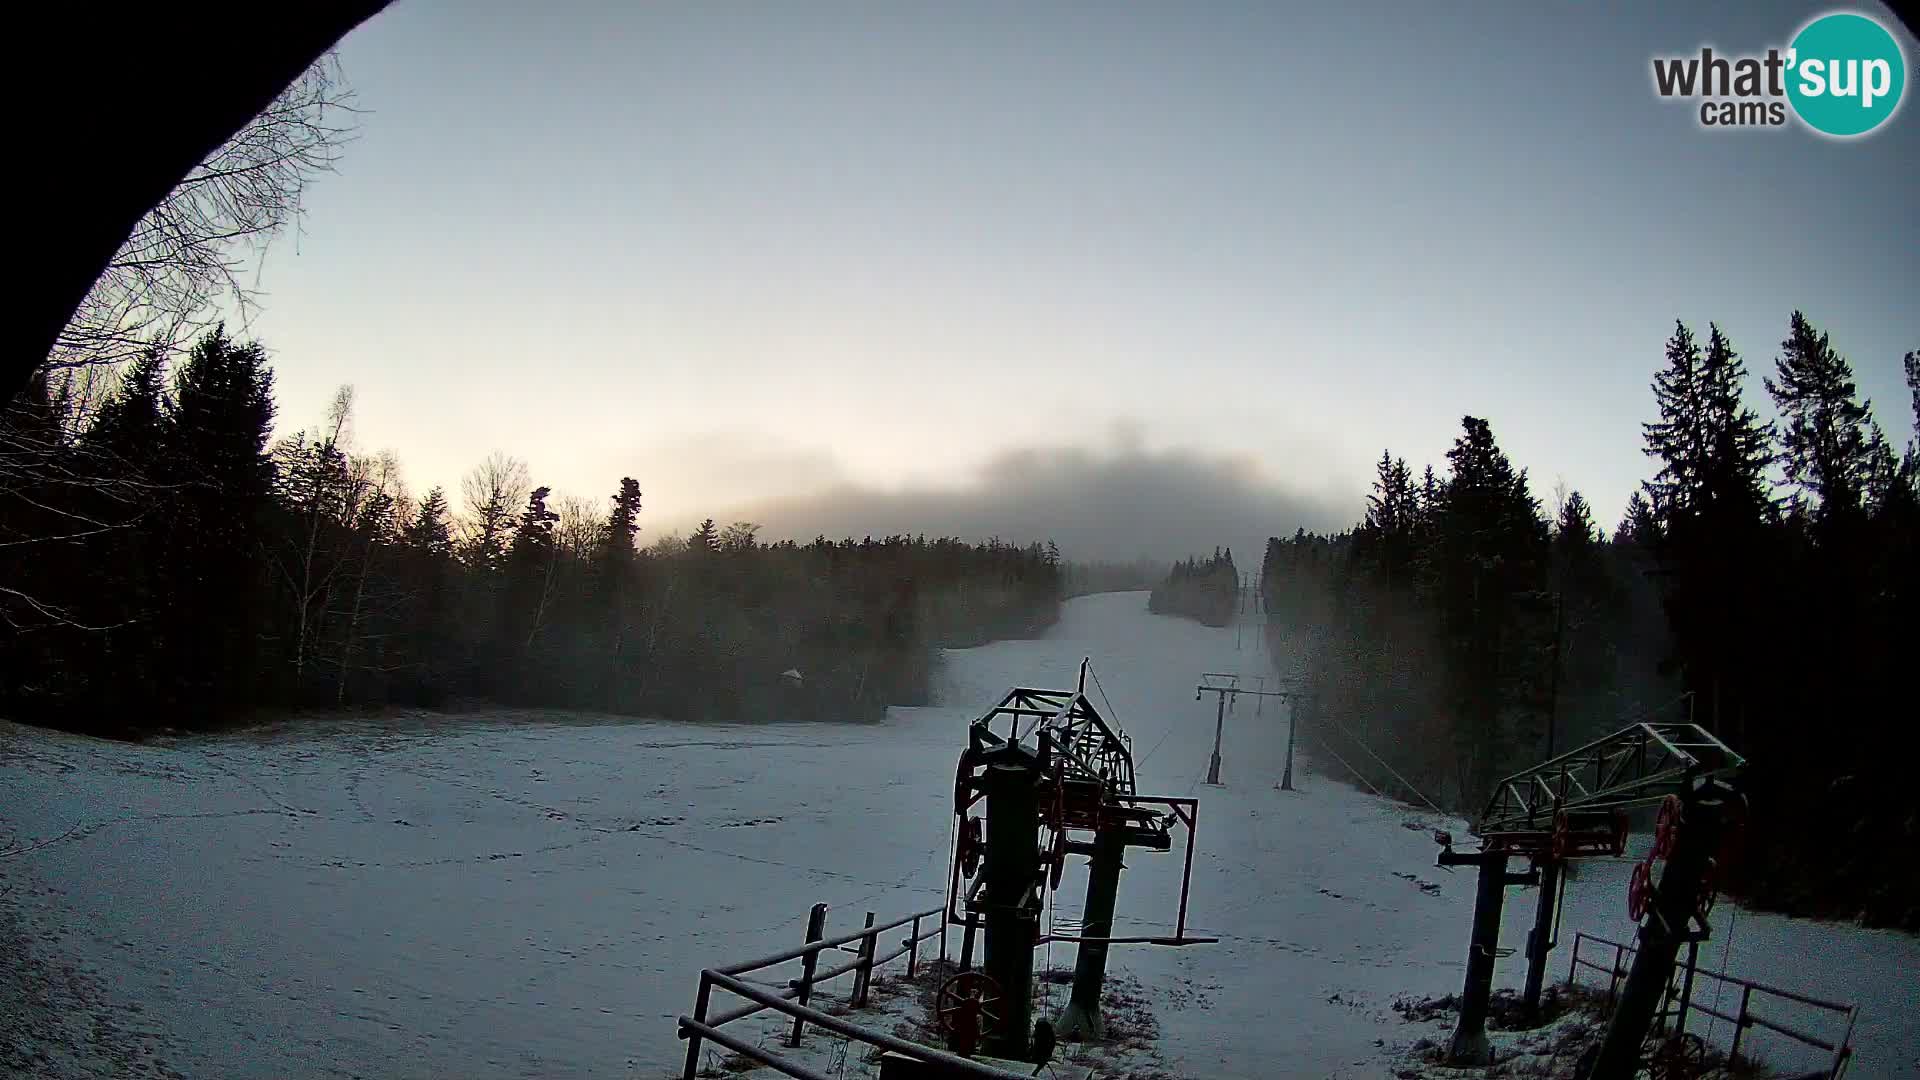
<point x="968" y="1009"/>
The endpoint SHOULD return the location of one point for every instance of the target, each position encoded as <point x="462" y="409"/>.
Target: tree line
<point x="1204" y="589"/>
<point x="1761" y="583"/>
<point x="1099" y="576"/>
<point x="178" y="566"/>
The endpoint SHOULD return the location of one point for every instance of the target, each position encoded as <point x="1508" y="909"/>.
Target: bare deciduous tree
<point x="376" y="494"/>
<point x="43" y="472"/>
<point x="739" y="536"/>
<point x="577" y="534"/>
<point x="190" y="253"/>
<point x="315" y="481"/>
<point x="495" y="491"/>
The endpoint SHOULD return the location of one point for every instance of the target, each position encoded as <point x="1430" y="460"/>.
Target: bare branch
<point x="190" y="251"/>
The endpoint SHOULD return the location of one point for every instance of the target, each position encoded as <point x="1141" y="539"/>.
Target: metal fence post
<point x="1613" y="976"/>
<point x="913" y="948"/>
<point x="1686" y="985"/>
<point x="816" y="929"/>
<point x="1740" y="1025"/>
<point x="943" y="936"/>
<point x="863" y="975"/>
<point x="1573" y="966"/>
<point x="693" y="1037"/>
<point x="1843" y="1049"/>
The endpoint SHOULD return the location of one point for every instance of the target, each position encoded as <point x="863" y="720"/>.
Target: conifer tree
<point x="128" y="427"/>
<point x="1828" y="446"/>
<point x="706" y="538"/>
<point x="217" y="427"/>
<point x="430" y="532"/>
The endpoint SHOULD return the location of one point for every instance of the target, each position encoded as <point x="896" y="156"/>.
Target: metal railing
<point x="704" y="1026"/>
<point x="1680" y="1003"/>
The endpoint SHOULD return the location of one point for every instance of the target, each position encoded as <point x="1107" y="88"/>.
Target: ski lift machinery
<point x="1054" y="778"/>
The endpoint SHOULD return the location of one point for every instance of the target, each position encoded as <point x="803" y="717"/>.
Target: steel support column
<point x="1540" y="941"/>
<point x="1469" y="1045"/>
<point x="1293" y="720"/>
<point x="1012" y="920"/>
<point x="1082" y="1019"/>
<point x="1219" y="726"/>
<point x="1663" y="931"/>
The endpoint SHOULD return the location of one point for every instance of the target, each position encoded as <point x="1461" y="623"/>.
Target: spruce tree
<point x="1489" y="591"/>
<point x="705" y="539"/>
<point x="1707" y="509"/>
<point x="215" y="454"/>
<point x="1736" y="446"/>
<point x="1678" y="438"/>
<point x="128" y="427"/>
<point x="1828" y="446"/>
<point x="1911" y="363"/>
<point x="623" y="524"/>
<point x="430" y="531"/>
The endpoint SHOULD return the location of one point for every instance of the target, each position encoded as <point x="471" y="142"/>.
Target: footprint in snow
<point x="1424" y="886"/>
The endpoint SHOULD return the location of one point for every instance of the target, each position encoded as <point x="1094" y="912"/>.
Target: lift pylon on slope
<point x="1227" y="688"/>
<point x="1575" y="806"/>
<point x="1056" y="779"/>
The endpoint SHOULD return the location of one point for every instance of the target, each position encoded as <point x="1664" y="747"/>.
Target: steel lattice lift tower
<point x="1575" y="806"/>
<point x="1055" y="780"/>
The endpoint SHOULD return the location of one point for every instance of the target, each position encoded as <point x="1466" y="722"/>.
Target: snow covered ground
<point x="491" y="897"/>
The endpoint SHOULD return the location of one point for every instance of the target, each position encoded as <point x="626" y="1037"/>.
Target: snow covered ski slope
<point x="489" y="897"/>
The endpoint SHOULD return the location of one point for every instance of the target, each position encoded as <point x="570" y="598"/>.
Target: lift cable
<point x="1369" y="752"/>
<point x="1358" y="775"/>
<point x="1720" y="985"/>
<point x="1156" y="746"/>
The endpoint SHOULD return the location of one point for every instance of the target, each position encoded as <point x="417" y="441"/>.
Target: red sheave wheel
<point x="1639" y="890"/>
<point x="1666" y="826"/>
<point x="972" y="846"/>
<point x="968" y="1009"/>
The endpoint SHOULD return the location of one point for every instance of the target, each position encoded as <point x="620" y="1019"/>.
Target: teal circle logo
<point x="1845" y="74"/>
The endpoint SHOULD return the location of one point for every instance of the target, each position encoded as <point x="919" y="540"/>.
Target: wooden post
<point x="863" y="975"/>
<point x="816" y="929"/>
<point x="693" y="1037"/>
<point x="913" y="948"/>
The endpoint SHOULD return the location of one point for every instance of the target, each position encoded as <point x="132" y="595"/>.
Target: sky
<point x="1143" y="278"/>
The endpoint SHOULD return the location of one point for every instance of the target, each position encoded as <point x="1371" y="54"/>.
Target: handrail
<point x="747" y="1049"/>
<point x="794" y="985"/>
<point x="952" y="1062"/>
<point x="1804" y="999"/>
<point x="703" y="1025"/>
<point x="1744" y="1017"/>
<point x="824" y="943"/>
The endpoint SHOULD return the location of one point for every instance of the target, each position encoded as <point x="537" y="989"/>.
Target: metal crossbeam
<point x="1636" y="766"/>
<point x="1075" y="730"/>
